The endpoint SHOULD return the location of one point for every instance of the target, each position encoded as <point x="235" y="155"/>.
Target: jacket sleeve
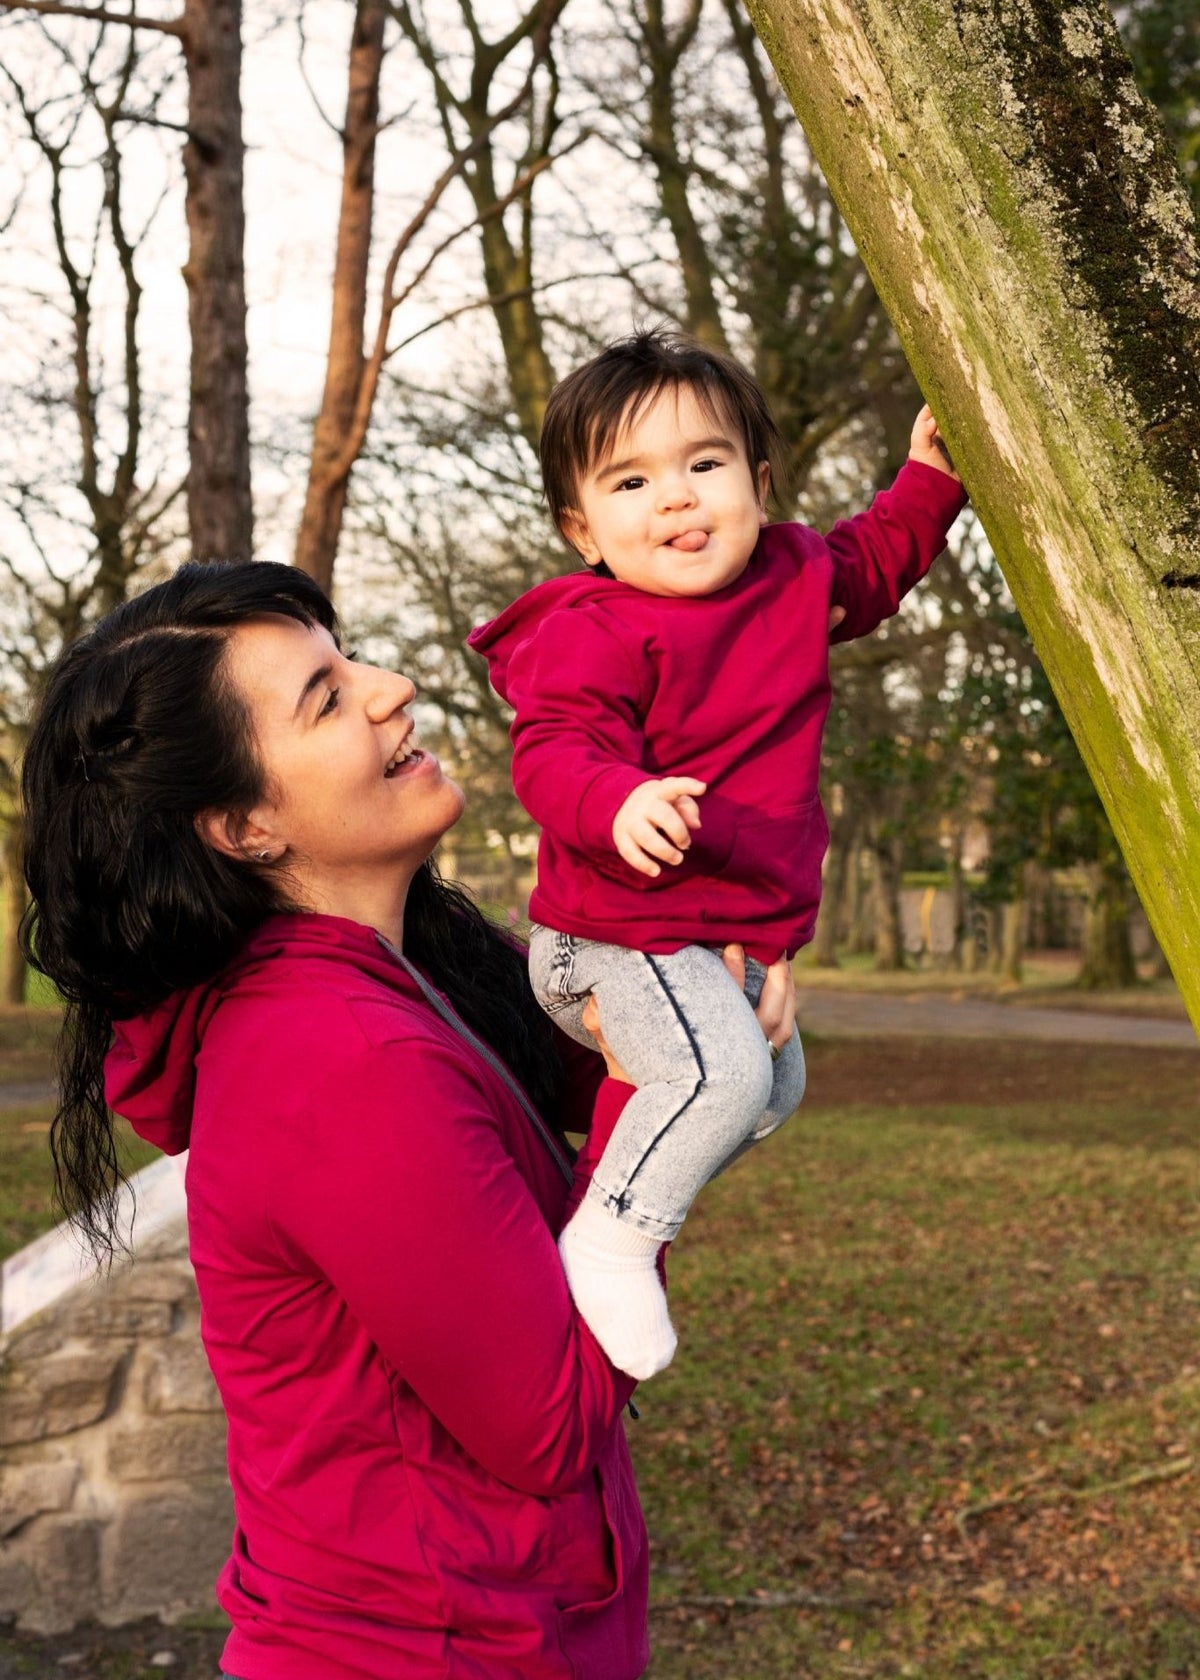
<point x="879" y="555"/>
<point x="577" y="734"/>
<point x="414" y="1210"/>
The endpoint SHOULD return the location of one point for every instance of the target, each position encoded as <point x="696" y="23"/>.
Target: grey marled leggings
<point x="688" y="1039"/>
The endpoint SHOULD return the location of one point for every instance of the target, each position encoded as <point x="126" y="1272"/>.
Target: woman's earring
<point x="264" y="855"/>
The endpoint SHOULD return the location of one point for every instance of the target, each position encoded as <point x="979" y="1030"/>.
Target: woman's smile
<point x="329" y="729"/>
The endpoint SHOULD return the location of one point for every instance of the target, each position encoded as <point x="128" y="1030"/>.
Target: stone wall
<point x="114" y="1502"/>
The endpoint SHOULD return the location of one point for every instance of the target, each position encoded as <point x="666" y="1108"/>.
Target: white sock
<point x="615" y="1284"/>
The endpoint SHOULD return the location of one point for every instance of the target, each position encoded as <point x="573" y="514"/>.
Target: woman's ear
<point x="574" y="528"/>
<point x="762" y="477"/>
<point x="240" y="838"/>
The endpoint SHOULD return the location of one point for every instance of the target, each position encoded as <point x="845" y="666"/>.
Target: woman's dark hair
<point x="137" y="732"/>
<point x="589" y="409"/>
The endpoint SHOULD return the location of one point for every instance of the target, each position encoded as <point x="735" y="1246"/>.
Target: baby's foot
<point x="611" y="1272"/>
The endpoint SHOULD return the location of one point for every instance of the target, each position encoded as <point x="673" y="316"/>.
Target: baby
<point x="669" y="707"/>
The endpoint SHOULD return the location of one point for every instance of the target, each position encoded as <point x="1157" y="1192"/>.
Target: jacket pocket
<point x="603" y="1635"/>
<point x="774" y="865"/>
<point x="706" y="856"/>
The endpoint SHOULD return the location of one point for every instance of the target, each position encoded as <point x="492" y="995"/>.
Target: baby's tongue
<point x="690" y="541"/>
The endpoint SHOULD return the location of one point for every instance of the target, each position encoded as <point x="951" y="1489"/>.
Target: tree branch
<point x="95" y="14"/>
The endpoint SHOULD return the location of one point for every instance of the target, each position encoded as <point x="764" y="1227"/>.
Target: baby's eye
<point x="630" y="484"/>
<point x="331" y="703"/>
<point x="706" y="465"/>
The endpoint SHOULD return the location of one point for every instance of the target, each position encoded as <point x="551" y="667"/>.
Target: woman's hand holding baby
<point x="653" y="825"/>
<point x="926" y="444"/>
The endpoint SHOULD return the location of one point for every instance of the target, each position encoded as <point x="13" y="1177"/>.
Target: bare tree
<point x="470" y="125"/>
<point x="764" y="263"/>
<point x="76" y="562"/>
<point x="503" y="209"/>
<point x="209" y="34"/>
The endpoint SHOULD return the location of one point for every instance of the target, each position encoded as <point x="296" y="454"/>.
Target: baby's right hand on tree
<point x="926" y="444"/>
<point x="654" y="824"/>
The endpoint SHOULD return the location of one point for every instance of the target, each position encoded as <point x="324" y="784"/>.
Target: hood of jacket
<point x="150" y="1070"/>
<point x="500" y="638"/>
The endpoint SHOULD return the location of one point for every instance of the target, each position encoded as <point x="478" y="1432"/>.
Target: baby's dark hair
<point x="588" y="410"/>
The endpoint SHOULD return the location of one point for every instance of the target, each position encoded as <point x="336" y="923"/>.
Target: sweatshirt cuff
<point x="605" y="795"/>
<point x="939" y="495"/>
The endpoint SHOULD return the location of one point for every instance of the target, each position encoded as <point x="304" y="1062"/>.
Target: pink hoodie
<point x="612" y="686"/>
<point x="430" y="1474"/>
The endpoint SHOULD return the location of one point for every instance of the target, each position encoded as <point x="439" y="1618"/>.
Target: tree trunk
<point x="325" y="499"/>
<point x="662" y="55"/>
<point x="1107" y="953"/>
<point x="219" y="508"/>
<point x="838" y="860"/>
<point x="993" y="922"/>
<point x="957" y="956"/>
<point x="889" y="936"/>
<point x="1158" y="966"/>
<point x="859" y="923"/>
<point x="1020" y="212"/>
<point x="508" y="275"/>
<point x="1013" y="941"/>
<point x="12" y="962"/>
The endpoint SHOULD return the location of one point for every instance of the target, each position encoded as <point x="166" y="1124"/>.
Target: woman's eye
<point x="331" y="703"/>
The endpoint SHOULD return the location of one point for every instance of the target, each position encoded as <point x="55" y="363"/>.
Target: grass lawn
<point x="27" y="1044"/>
<point x="26" y="1175"/>
<point x="936" y="1410"/>
<point x="1048" y="982"/>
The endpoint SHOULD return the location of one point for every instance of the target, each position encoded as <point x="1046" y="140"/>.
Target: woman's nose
<point x="389" y="691"/>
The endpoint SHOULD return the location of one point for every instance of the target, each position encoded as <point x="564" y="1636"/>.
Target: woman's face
<point x="353" y="804"/>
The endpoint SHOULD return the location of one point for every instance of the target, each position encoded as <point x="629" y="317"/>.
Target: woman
<point x="229" y="832"/>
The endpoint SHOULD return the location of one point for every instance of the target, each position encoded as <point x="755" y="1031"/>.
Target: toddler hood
<point x="500" y="638"/>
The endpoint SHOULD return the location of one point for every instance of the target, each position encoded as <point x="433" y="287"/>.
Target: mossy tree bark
<point x="1021" y="215"/>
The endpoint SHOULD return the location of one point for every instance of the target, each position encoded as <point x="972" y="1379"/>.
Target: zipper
<point x="457" y="1025"/>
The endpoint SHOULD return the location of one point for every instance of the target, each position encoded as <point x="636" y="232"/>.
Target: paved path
<point x="940" y="1015"/>
<point x="841" y="1014"/>
<point x="28" y="1091"/>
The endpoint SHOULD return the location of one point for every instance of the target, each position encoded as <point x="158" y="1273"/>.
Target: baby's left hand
<point x="926" y="444"/>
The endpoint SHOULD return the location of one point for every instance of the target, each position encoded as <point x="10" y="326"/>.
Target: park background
<point x="935" y="1411"/>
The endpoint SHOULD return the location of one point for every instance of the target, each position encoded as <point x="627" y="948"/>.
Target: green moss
<point x="1120" y="216"/>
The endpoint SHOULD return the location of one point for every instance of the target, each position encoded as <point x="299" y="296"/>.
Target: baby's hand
<point x="926" y="444"/>
<point x="655" y="821"/>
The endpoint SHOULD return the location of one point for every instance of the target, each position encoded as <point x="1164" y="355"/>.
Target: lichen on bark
<point x="1115" y="207"/>
<point x="1017" y="205"/>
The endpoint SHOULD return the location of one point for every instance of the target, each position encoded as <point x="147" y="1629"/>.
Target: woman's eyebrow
<point x="314" y="681"/>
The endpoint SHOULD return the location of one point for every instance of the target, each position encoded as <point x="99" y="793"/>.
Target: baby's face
<point x="675" y="508"/>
